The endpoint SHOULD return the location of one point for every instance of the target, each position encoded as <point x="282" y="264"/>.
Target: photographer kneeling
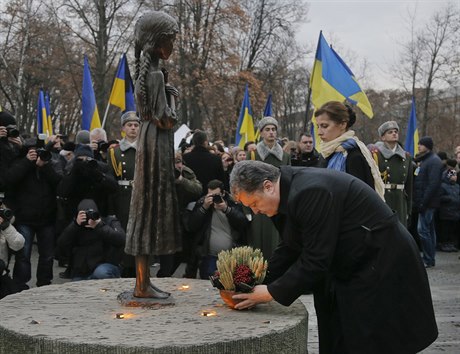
<point x="219" y="224"/>
<point x="94" y="245"/>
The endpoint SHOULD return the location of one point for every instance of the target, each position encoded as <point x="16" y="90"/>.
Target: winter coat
<point x="355" y="165"/>
<point x="427" y="182"/>
<point x="9" y="238"/>
<point x="396" y="169"/>
<point x="32" y="193"/>
<point x="84" y="181"/>
<point x="87" y="248"/>
<point x="121" y="165"/>
<point x="205" y="165"/>
<point x="450" y="199"/>
<point x="200" y="219"/>
<point x="344" y="244"/>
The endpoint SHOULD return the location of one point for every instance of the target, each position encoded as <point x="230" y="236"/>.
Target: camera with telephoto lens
<point x="6" y="214"/>
<point x="217" y="199"/>
<point x="92" y="214"/>
<point x="44" y="154"/>
<point x="102" y="146"/>
<point x="12" y="132"/>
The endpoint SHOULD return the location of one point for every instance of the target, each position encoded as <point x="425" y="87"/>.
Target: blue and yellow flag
<point x="48" y="113"/>
<point x="332" y="80"/>
<point x="411" y="145"/>
<point x="90" y="114"/>
<point x="245" y="126"/>
<point x="268" y="107"/>
<point x="122" y="94"/>
<point x="42" y="116"/>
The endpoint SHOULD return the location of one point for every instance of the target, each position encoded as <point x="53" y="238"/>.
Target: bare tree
<point x="104" y="28"/>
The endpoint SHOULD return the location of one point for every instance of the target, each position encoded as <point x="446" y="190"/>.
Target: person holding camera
<point x="218" y="223"/>
<point x="93" y="244"/>
<point x="32" y="197"/>
<point x="9" y="239"/>
<point x="85" y="178"/>
<point x="10" y="149"/>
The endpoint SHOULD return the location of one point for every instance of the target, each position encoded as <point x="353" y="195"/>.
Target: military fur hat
<point x="129" y="116"/>
<point x="267" y="121"/>
<point x="391" y="124"/>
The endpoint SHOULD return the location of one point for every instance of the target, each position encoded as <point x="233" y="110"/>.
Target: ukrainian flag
<point x="122" y="94"/>
<point x="411" y="145"/>
<point x="245" y="126"/>
<point x="48" y="113"/>
<point x="42" y="116"/>
<point x="90" y="114"/>
<point x="332" y="80"/>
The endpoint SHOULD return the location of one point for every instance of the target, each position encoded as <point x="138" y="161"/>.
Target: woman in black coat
<point x="341" y="150"/>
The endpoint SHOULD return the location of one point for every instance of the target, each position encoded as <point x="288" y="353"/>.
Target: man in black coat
<point x="344" y="244"/>
<point x="93" y="244"/>
<point x="206" y="166"/>
<point x="427" y="184"/>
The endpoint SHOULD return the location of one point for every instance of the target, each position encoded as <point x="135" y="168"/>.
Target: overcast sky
<point x="369" y="28"/>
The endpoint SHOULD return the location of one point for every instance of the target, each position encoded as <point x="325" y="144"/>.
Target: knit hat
<point x="6" y="119"/>
<point x="86" y="204"/>
<point x="267" y="121"/>
<point x="83" y="150"/>
<point x="129" y="116"/>
<point x="391" y="124"/>
<point x="426" y="141"/>
<point x="82" y="137"/>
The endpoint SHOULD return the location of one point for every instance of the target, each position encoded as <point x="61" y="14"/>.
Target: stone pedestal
<point x="81" y="317"/>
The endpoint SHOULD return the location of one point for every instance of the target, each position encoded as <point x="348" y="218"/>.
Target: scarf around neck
<point x="337" y="146"/>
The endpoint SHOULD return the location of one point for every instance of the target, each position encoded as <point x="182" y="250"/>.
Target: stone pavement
<point x="445" y="289"/>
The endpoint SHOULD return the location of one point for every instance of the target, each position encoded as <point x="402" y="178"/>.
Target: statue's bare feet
<point x="159" y="290"/>
<point x="151" y="292"/>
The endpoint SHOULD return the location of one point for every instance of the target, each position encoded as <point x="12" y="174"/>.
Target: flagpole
<point x="105" y="115"/>
<point x="309" y="85"/>
<point x="307" y="110"/>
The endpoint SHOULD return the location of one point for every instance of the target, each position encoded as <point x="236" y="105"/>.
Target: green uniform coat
<point x="396" y="169"/>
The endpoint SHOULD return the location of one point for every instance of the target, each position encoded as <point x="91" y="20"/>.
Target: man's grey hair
<point x="249" y="176"/>
<point x="98" y="134"/>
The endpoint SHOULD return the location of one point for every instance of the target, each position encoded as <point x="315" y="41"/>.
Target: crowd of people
<point x="74" y="197"/>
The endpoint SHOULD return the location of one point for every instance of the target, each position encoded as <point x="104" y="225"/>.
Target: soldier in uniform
<point x="121" y="161"/>
<point x="395" y="167"/>
<point x="262" y="232"/>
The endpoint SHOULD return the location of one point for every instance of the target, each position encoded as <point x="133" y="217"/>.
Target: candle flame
<point x="208" y="313"/>
<point x="184" y="287"/>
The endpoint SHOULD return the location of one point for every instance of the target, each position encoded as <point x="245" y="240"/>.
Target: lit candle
<point x="208" y="313"/>
<point x="184" y="287"/>
<point x="120" y="316"/>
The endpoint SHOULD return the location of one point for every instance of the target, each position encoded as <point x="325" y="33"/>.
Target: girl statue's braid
<point x="144" y="69"/>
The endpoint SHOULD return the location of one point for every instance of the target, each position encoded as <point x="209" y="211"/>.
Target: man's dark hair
<point x="199" y="138"/>
<point x="451" y="163"/>
<point x="245" y="148"/>
<point x="249" y="176"/>
<point x="308" y="135"/>
<point x="215" y="183"/>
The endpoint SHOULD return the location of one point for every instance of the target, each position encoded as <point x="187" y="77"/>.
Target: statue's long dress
<point x="153" y="226"/>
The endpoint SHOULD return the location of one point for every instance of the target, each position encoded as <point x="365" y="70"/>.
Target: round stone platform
<point x="81" y="317"/>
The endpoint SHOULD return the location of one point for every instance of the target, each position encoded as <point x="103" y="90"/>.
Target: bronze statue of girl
<point x="153" y="226"/>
